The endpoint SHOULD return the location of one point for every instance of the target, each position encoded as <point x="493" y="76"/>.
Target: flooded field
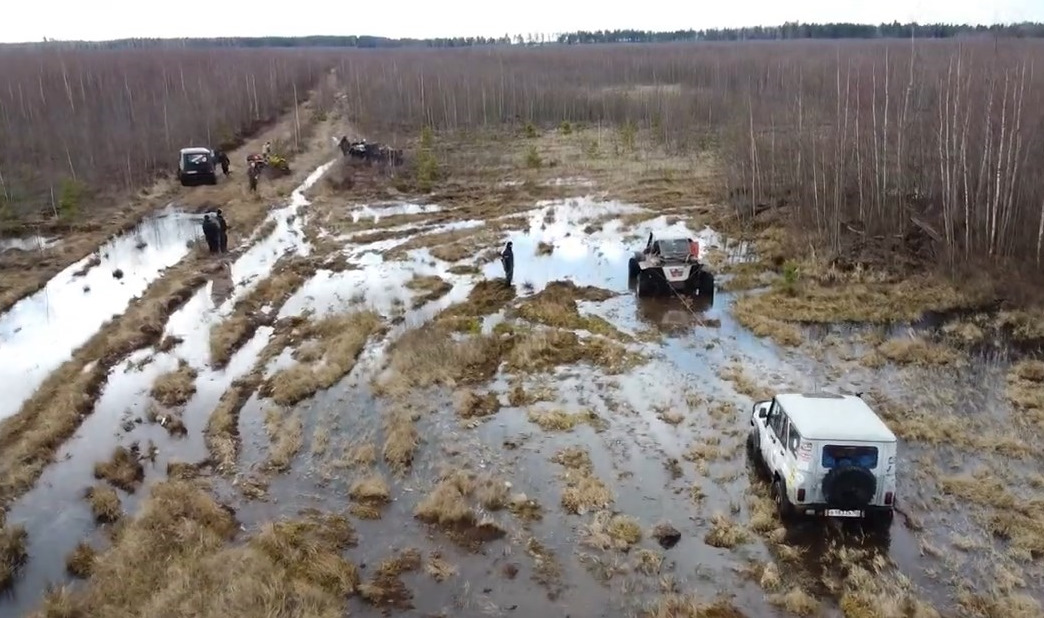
<point x="434" y="442"/>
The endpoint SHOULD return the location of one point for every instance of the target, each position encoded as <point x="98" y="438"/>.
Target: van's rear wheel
<point x="783" y="505"/>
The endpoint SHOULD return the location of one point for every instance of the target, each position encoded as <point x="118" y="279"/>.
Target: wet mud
<point x="666" y="438"/>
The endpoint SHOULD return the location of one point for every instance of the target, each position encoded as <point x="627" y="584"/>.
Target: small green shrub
<point x="566" y="128"/>
<point x="70" y="197"/>
<point x="530" y="131"/>
<point x="533" y="160"/>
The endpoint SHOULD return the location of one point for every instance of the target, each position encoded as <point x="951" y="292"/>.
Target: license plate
<point x="843" y="513"/>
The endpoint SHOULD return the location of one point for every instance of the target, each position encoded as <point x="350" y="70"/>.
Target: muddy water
<point x="120" y="415"/>
<point x="40" y="332"/>
<point x="629" y="454"/>
<point x="27" y="243"/>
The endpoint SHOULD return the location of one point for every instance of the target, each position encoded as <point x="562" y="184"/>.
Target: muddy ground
<point x="359" y="411"/>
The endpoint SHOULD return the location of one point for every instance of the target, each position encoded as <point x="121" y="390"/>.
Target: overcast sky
<point x="32" y="20"/>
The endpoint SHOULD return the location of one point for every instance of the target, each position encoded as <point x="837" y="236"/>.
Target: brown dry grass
<point x="878" y="298"/>
<point x="80" y="561"/>
<point x="428" y="288"/>
<point x="401" y="439"/>
<point x="386" y="589"/>
<point x="783" y="333"/>
<point x="556" y="306"/>
<point x="340" y="340"/>
<point x="123" y="470"/>
<point x="686" y="606"/>
<point x="608" y="530"/>
<point x="174" y="560"/>
<point x="726" y="533"/>
<point x="176" y="387"/>
<point x="584" y="492"/>
<point x="105" y="503"/>
<point x="371" y="490"/>
<point x="797" y="602"/>
<point x="917" y="351"/>
<point x="744" y="383"/>
<point x="438" y="568"/>
<point x="13" y="553"/>
<point x="560" y="420"/>
<point x="222" y="432"/>
<point x="285" y="434"/>
<point x="470" y="404"/>
<point x="449" y="506"/>
<point x="287" y="276"/>
<point x="1025" y="388"/>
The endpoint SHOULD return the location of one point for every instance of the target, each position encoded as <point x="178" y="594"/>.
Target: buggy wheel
<point x="632" y="268"/>
<point x="644" y="286"/>
<point x="705" y="283"/>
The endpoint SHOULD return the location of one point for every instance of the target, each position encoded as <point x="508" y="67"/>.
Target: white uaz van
<point x="826" y="454"/>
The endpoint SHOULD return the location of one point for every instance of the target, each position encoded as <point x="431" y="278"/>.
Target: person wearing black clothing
<point x="223" y="161"/>
<point x="507" y="258"/>
<point x="222" y="232"/>
<point x="252" y="175"/>
<point x="211" y="231"/>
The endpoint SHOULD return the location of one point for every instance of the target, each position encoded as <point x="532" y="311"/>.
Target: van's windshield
<point x="862" y="456"/>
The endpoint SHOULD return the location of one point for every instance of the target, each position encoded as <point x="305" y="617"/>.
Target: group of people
<point x="254" y="166"/>
<point x="215" y="231"/>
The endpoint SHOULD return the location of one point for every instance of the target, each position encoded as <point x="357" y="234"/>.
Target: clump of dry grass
<point x="611" y="531"/>
<point x="783" y="333"/>
<point x="438" y="568"/>
<point x="744" y="383"/>
<point x="544" y="248"/>
<point x="556" y="305"/>
<point x="13" y="553"/>
<point x="917" y="351"/>
<point x="285" y="433"/>
<point x="448" y="506"/>
<point x="542" y="349"/>
<point x="123" y="470"/>
<point x="176" y="387"/>
<point x="105" y="503"/>
<point x="584" y="492"/>
<point x="796" y="601"/>
<point x="470" y="404"/>
<point x="385" y="589"/>
<point x="686" y="606"/>
<point x="525" y="508"/>
<point x="174" y="560"/>
<point x="429" y="288"/>
<point x="725" y="533"/>
<point x="341" y="339"/>
<point x="371" y="492"/>
<point x="1025" y="388"/>
<point x="222" y="432"/>
<point x="80" y="561"/>
<point x="648" y="562"/>
<point x="401" y="438"/>
<point x="560" y="420"/>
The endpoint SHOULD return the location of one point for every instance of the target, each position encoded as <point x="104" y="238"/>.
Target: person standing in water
<point x="211" y="232"/>
<point x="507" y="258"/>
<point x="222" y="232"/>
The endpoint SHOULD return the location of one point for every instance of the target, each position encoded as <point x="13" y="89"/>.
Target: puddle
<point x="29" y="243"/>
<point x="377" y="211"/>
<point x="41" y="331"/>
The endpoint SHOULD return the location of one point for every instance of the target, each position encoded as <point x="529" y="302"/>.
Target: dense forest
<point x="786" y="31"/>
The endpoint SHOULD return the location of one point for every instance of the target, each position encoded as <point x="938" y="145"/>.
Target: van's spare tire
<point x="849" y="487"/>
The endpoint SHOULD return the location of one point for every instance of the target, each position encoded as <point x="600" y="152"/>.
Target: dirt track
<point x="506" y="451"/>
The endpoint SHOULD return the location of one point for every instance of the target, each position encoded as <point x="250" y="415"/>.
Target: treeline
<point x="874" y="138"/>
<point x="795" y="30"/>
<point x="787" y="31"/>
<point x="95" y="120"/>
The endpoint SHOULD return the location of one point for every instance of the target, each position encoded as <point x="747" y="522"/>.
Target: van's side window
<point x="793" y="439"/>
<point x="783" y="428"/>
<point x="777" y="422"/>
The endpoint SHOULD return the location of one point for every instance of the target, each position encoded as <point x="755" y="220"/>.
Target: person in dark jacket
<point x="222" y="159"/>
<point x="211" y="231"/>
<point x="507" y="258"/>
<point x="222" y="232"/>
<point x="252" y="175"/>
